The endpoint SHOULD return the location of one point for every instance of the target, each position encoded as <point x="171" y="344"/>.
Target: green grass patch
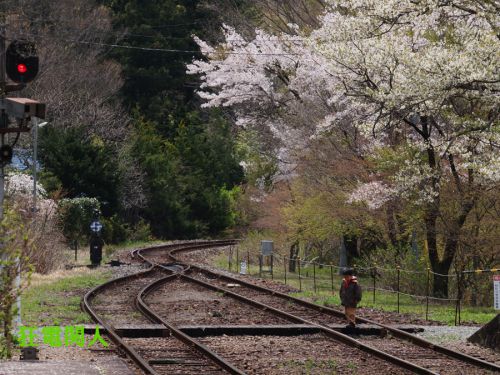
<point x="311" y="365"/>
<point x="108" y="252"/>
<point x="325" y="292"/>
<point x="55" y="299"/>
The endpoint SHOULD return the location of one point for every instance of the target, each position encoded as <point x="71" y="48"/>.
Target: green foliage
<point x="114" y="230"/>
<point x="190" y="179"/>
<point x="260" y="167"/>
<point x="141" y="232"/>
<point x="84" y="167"/>
<point x="188" y="157"/>
<point x="75" y="216"/>
<point x="51" y="183"/>
<point x="310" y="219"/>
<point x="15" y="245"/>
<point x="156" y="81"/>
<point x="413" y="277"/>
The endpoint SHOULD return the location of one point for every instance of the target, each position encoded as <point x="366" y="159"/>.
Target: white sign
<point x="95" y="226"/>
<point x="243" y="268"/>
<point x="496" y="291"/>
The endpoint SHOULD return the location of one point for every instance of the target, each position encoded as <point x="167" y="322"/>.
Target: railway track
<point x="179" y="353"/>
<point x="119" y="301"/>
<point x="428" y="357"/>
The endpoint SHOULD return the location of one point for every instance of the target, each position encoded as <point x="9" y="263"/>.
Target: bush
<point x="141" y="232"/>
<point x="413" y="277"/>
<point x="114" y="230"/>
<point x="75" y="216"/>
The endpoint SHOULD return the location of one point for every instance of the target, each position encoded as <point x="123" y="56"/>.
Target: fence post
<point x="460" y="310"/>
<point x="314" y="276"/>
<point x="248" y="262"/>
<point x="427" y="294"/>
<point x="272" y="266"/>
<point x="284" y="266"/>
<point x="260" y="265"/>
<point x="459" y="298"/>
<point x="399" y="272"/>
<point x="238" y="269"/>
<point x="300" y="280"/>
<point x="374" y="275"/>
<point x="229" y="258"/>
<point x="331" y="276"/>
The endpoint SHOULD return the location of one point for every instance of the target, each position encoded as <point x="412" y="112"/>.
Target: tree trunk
<point x="443" y="265"/>
<point x="294" y="252"/>
<point x="351" y="245"/>
<point x="391" y="225"/>
<point x="440" y="284"/>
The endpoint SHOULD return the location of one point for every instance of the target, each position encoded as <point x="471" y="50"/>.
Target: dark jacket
<point x="350" y="295"/>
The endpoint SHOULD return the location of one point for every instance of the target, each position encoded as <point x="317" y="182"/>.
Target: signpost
<point x="496" y="291"/>
<point x="243" y="268"/>
<point x="266" y="256"/>
<point x="96" y="226"/>
<point x="96" y="243"/>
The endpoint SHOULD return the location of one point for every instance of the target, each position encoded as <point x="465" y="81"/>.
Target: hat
<point x="348" y="272"/>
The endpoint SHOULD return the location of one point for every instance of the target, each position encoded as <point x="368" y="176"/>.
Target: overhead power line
<point x="172" y="50"/>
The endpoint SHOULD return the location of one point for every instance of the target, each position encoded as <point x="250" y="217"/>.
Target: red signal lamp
<point x="21" y="68"/>
<point x="21" y="61"/>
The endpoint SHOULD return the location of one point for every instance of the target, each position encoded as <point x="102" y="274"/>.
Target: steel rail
<point x="110" y="331"/>
<point x="194" y="246"/>
<point x="118" y="341"/>
<point x="329" y="332"/>
<point x="190" y="342"/>
<point x="394" y="331"/>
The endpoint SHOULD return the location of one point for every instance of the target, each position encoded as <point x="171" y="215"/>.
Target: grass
<point x="324" y="294"/>
<point x="54" y="299"/>
<point x="108" y="251"/>
<point x="311" y="365"/>
<point x="388" y="302"/>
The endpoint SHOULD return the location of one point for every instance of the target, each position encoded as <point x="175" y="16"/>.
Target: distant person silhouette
<point x="350" y="295"/>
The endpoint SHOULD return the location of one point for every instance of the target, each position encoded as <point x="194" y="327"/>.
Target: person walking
<point x="350" y="295"/>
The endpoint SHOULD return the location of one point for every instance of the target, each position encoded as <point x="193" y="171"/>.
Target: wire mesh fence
<point x="396" y="289"/>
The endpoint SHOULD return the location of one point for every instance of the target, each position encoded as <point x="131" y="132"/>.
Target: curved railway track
<point x="186" y="355"/>
<point x="399" y="348"/>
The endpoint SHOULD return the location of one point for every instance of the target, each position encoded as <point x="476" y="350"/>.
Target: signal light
<point x="21" y="61"/>
<point x="21" y="68"/>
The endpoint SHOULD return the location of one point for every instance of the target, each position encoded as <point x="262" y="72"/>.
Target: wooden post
<point x="374" y="274"/>
<point x="331" y="277"/>
<point x="272" y="266"/>
<point x="248" y="262"/>
<point x="300" y="280"/>
<point x="399" y="271"/>
<point x="238" y="269"/>
<point x="284" y="266"/>
<point x="427" y="294"/>
<point x="260" y="265"/>
<point x="314" y="277"/>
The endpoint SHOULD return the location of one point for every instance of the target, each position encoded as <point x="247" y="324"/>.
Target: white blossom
<point x="427" y="70"/>
<point x="375" y="194"/>
<point x="22" y="184"/>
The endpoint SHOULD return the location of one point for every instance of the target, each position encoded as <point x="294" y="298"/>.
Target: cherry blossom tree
<point x="422" y="76"/>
